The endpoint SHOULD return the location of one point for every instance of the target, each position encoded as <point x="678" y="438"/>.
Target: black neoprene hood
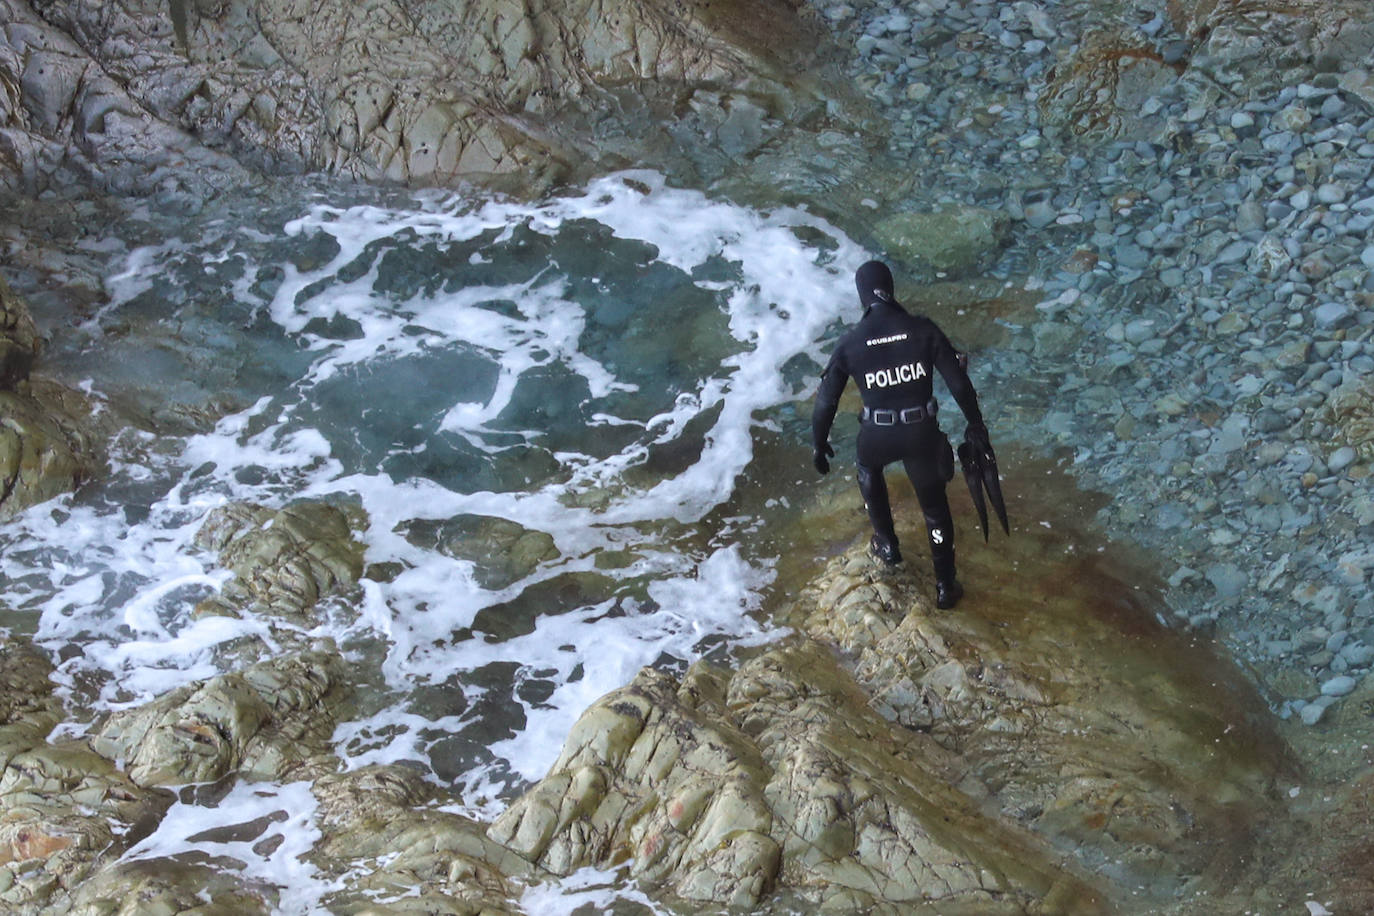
<point x="874" y="282"/>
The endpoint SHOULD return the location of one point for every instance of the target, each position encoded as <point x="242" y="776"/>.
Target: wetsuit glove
<point x="976" y="435"/>
<point x="821" y="456"/>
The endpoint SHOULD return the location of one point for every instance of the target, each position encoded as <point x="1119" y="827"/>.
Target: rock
<point x="1350" y="409"/>
<point x="167" y="886"/>
<point x="485" y="88"/>
<point x="71" y="119"/>
<point x="724" y="788"/>
<point x="272" y="719"/>
<point x="28" y="709"/>
<point x="442" y="862"/>
<point x="952" y="240"/>
<point x="64" y="810"/>
<point x="46" y="445"/>
<point x="501" y="551"/>
<point x="871" y="781"/>
<point x="48" y="442"/>
<point x="1339" y="686"/>
<point x="284" y="561"/>
<point x="18" y="339"/>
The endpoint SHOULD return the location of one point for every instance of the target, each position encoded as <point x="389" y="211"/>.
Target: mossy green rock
<point x="951" y="241"/>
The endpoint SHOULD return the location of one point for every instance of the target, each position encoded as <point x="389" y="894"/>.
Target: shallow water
<point x="589" y="375"/>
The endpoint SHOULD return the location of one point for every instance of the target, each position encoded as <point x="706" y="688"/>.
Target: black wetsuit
<point x="892" y="355"/>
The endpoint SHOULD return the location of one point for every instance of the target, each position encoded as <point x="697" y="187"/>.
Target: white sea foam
<point x="585" y="888"/>
<point x="284" y="814"/>
<point x="116" y="572"/>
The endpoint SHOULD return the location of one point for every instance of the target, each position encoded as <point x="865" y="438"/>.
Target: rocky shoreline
<point x="887" y="758"/>
<point x="1149" y="222"/>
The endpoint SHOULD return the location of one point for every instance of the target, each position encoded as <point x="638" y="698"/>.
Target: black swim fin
<point x="980" y="473"/>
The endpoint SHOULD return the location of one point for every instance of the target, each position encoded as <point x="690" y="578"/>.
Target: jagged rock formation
<point x="896" y="757"/>
<point x="398" y="90"/>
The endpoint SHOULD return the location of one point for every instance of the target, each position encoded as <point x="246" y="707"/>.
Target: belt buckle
<point x="891" y="418"/>
<point x="913" y="414"/>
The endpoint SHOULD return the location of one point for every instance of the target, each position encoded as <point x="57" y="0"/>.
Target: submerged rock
<point x="952" y="241"/>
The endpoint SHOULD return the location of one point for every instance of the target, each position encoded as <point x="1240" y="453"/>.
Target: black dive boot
<point x="882" y="550"/>
<point x="947" y="593"/>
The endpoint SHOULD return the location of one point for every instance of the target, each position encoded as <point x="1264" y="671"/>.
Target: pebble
<point x="1339" y="686"/>
<point x="1223" y="304"/>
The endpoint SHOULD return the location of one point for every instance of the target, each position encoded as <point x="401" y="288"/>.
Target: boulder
<point x="166" y="886"/>
<point x="273" y="720"/>
<point x="951" y="241"/>
<point x="424" y="860"/>
<point x="1350" y="409"/>
<point x="284" y="560"/>
<point x="47" y="444"/>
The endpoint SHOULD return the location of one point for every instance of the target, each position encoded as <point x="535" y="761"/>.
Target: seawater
<point x="593" y="369"/>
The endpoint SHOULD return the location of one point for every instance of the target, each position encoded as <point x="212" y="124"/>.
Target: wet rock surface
<point x="384" y="816"/>
<point x="64" y="810"/>
<point x="397" y="91"/>
<point x="264" y="722"/>
<point x="284" y="561"/>
<point x="48" y="442"/>
<point x="995" y="757"/>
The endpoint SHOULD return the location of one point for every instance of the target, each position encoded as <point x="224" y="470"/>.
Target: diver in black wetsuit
<point x="891" y="355"/>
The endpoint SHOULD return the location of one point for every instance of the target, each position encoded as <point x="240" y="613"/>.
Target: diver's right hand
<point x="976" y="435"/>
<point x="821" y="456"/>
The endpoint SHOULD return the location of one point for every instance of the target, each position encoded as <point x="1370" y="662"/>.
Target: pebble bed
<point x="1203" y="341"/>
